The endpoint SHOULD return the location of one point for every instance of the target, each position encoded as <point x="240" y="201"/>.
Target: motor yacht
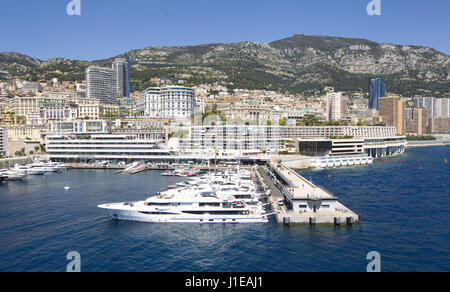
<point x="201" y="207"/>
<point x="28" y="170"/>
<point x="12" y="175"/>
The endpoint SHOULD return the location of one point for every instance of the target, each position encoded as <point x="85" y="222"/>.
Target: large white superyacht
<point x="193" y="204"/>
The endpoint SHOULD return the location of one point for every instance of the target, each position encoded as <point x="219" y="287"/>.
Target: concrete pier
<point x="303" y="202"/>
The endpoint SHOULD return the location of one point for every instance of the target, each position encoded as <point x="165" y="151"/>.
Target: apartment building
<point x="392" y="111"/>
<point x="420" y="121"/>
<point x="101" y="84"/>
<point x="336" y="106"/>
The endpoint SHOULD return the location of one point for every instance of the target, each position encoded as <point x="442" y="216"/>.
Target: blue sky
<point x="42" y="28"/>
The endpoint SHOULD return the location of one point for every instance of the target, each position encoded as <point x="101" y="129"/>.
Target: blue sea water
<point x="404" y="203"/>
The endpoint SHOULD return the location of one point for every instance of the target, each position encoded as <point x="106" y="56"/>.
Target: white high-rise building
<point x="443" y="108"/>
<point x="101" y="84"/>
<point x="428" y="103"/>
<point x="336" y="106"/>
<point x="172" y="102"/>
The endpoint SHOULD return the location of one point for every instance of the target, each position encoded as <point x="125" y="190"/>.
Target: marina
<point x="299" y="201"/>
<point x="42" y="222"/>
<point x="20" y="172"/>
<point x="222" y="197"/>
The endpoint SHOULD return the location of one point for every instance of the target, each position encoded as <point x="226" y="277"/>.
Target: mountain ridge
<point x="300" y="64"/>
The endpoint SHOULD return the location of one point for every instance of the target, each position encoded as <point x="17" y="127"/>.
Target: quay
<point x="302" y="201"/>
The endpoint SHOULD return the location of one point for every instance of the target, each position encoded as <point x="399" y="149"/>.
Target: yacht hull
<point x="136" y="216"/>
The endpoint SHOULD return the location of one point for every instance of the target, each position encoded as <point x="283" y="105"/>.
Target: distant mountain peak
<point x="324" y="43"/>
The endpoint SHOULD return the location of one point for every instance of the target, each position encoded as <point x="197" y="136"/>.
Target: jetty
<point x="295" y="200"/>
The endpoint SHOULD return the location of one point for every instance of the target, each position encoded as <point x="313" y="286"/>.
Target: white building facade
<point x="170" y="102"/>
<point x="101" y="83"/>
<point x="233" y="139"/>
<point x="250" y="139"/>
<point x="336" y="106"/>
<point x="3" y="142"/>
<point x="443" y="108"/>
<point x="103" y="146"/>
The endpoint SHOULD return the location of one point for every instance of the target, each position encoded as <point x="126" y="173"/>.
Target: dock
<point x="303" y="202"/>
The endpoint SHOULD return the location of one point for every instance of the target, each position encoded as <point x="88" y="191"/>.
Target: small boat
<point x="67" y="188"/>
<point x="130" y="168"/>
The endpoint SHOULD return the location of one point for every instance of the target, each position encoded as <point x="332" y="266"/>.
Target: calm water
<point x="404" y="201"/>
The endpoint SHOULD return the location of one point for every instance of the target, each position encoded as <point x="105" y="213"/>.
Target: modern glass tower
<point x="122" y="70"/>
<point x="377" y="89"/>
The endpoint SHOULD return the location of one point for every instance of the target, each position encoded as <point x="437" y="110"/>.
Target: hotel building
<point x="39" y="109"/>
<point x="57" y="111"/>
<point x="171" y="102"/>
<point x="88" y="108"/>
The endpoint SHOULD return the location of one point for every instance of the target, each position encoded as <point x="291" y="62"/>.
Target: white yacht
<point x="58" y="165"/>
<point x="203" y="207"/>
<point x="12" y="175"/>
<point x="28" y="170"/>
<point x="41" y="166"/>
<point x="195" y="202"/>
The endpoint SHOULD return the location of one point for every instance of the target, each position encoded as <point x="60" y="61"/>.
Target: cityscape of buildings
<point x="37" y="117"/>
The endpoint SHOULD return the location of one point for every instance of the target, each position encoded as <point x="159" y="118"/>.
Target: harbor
<point x="291" y="198"/>
<point x="69" y="220"/>
<point x="19" y="172"/>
